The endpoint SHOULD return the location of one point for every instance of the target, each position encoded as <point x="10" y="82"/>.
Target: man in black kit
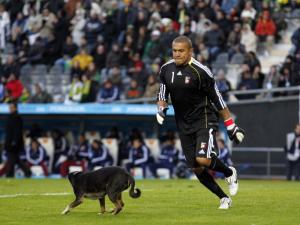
<point x="14" y="143"/>
<point x="197" y="104"/>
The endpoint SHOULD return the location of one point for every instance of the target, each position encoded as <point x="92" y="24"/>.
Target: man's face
<point x="12" y="108"/>
<point x="182" y="53"/>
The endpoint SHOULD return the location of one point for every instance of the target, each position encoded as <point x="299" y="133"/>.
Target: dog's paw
<point x="67" y="209"/>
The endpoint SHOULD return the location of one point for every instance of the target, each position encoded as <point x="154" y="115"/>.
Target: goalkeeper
<point x="197" y="104"/>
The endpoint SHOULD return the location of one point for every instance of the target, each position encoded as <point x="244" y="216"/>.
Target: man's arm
<point x="209" y="85"/>
<point x="162" y="100"/>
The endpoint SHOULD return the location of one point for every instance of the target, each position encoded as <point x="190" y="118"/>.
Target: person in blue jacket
<point x="99" y="155"/>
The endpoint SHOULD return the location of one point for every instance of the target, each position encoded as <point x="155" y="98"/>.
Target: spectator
<point x="83" y="58"/>
<point x="2" y="90"/>
<point x="293" y="154"/>
<point x="248" y="38"/>
<point x="92" y="29"/>
<point x="152" y="48"/>
<point x="78" y="155"/>
<point x="234" y="41"/>
<point x="24" y="98"/>
<point x="108" y="93"/>
<point x="228" y="5"/>
<point x="18" y="29"/>
<point x="258" y="76"/>
<point x="75" y="91"/>
<point x="214" y="39"/>
<point x="89" y="89"/>
<point x="139" y="155"/>
<point x="99" y="155"/>
<point x="134" y="91"/>
<point x="11" y="66"/>
<point x="100" y="57"/>
<point x="61" y="148"/>
<point x="223" y="84"/>
<point x="296" y="39"/>
<point x="265" y="29"/>
<point x="113" y="57"/>
<point x="36" y="52"/>
<point x="36" y="156"/>
<point x="4" y="26"/>
<point x="248" y="14"/>
<point x="152" y="87"/>
<point x="14" y="86"/>
<point x="168" y="156"/>
<point x="40" y="95"/>
<point x="271" y="80"/>
<point x="246" y="83"/>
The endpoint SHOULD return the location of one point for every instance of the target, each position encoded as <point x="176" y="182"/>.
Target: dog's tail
<point x="133" y="192"/>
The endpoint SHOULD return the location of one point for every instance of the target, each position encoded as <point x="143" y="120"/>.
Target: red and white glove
<point x="234" y="132"/>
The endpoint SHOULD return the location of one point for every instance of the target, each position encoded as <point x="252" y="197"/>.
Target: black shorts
<point x="200" y="144"/>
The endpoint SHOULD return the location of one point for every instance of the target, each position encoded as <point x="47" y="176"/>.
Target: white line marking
<point x="48" y="194"/>
<point x="28" y="194"/>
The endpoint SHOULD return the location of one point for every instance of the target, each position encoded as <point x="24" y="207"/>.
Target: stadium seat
<point x="37" y="171"/>
<point x="75" y="169"/>
<point x="237" y="58"/>
<point x="163" y="173"/>
<point x="222" y="58"/>
<point x="153" y="145"/>
<point x="113" y="148"/>
<point x="137" y="173"/>
<point x="92" y="135"/>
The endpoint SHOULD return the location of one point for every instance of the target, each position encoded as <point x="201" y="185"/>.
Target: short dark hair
<point x="184" y="39"/>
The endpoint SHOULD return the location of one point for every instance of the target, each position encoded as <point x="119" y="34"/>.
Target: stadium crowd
<point x="112" y="50"/>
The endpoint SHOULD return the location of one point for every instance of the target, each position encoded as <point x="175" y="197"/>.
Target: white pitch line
<point x="47" y="194"/>
<point x="27" y="194"/>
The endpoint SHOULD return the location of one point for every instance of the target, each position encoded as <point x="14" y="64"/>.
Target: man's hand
<point x="234" y="132"/>
<point x="161" y="114"/>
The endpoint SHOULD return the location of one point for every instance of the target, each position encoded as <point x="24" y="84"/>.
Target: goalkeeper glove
<point x="234" y="132"/>
<point x="161" y="114"/>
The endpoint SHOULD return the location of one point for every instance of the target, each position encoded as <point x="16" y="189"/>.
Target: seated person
<point x="139" y="155"/>
<point x="78" y="155"/>
<point x="168" y="156"/>
<point x="35" y="155"/>
<point x="99" y="155"/>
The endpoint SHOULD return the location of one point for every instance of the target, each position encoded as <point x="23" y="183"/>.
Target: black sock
<point x="218" y="166"/>
<point x="208" y="181"/>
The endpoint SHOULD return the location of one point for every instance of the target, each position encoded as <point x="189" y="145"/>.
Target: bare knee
<point x="198" y="170"/>
<point x="203" y="161"/>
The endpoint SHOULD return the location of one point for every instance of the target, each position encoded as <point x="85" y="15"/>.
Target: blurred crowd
<point x="112" y="50"/>
<point x="88" y="152"/>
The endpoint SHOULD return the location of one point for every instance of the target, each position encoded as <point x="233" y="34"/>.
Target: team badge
<point x="203" y="145"/>
<point x="187" y="80"/>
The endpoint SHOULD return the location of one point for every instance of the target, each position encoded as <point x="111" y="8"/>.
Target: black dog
<point x="109" y="181"/>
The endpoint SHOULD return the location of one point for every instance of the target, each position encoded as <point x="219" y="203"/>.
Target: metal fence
<point x="262" y="163"/>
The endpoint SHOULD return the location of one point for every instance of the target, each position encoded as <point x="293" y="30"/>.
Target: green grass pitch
<point x="163" y="202"/>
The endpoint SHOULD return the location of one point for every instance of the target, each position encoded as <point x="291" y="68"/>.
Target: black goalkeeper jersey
<point x="194" y="95"/>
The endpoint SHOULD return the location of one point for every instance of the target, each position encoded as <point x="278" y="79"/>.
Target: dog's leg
<point x="102" y="205"/>
<point x="114" y="199"/>
<point x="75" y="203"/>
<point x="120" y="200"/>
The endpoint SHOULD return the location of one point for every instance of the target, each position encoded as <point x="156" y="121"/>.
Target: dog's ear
<point x="72" y="176"/>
